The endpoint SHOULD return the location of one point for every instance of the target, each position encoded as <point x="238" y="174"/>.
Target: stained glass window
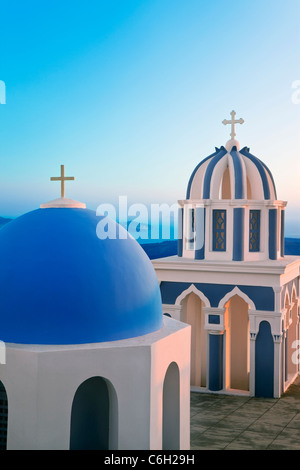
<point x="254" y="231"/>
<point x="219" y="230"/>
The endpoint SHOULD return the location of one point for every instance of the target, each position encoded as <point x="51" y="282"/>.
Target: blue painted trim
<point x="261" y="170"/>
<point x="238" y="172"/>
<point x="214" y="319"/>
<point x="218" y="231"/>
<point x="269" y="172"/>
<point x="254" y="233"/>
<point x="271" y="176"/>
<point x="215" y="362"/>
<point x="180" y="232"/>
<point x="238" y="234"/>
<point x="200" y="233"/>
<point x="209" y="171"/>
<point x="264" y="362"/>
<point x="282" y="252"/>
<point x="262" y="296"/>
<point x="189" y="187"/>
<point x="273" y="233"/>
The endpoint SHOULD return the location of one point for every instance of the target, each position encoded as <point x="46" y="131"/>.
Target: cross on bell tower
<point x="233" y="122"/>
<point x="62" y="178"/>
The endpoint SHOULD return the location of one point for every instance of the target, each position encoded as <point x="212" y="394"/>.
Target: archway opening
<point x="226" y="185"/>
<point x="192" y="314"/>
<point x="237" y="346"/>
<point x="292" y="326"/>
<point x="93" y="417"/>
<point x="171" y="409"/>
<point x="264" y="361"/>
<point x="3" y="417"/>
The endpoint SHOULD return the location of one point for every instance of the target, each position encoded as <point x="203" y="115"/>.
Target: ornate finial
<point x="62" y="178"/>
<point x="233" y="122"/>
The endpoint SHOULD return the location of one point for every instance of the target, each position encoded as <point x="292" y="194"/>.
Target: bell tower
<point x="231" y="211"/>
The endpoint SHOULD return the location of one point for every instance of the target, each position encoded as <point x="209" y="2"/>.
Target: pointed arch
<point x="294" y="295"/>
<point x="239" y="293"/>
<point x="287" y="298"/>
<point x="192" y="289"/>
<point x="291" y="333"/>
<point x="94" y="414"/>
<point x="237" y="342"/>
<point x="191" y="303"/>
<point x="171" y="408"/>
<point x="264" y="361"/>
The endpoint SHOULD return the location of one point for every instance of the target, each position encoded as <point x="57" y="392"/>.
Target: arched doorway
<point x="192" y="314"/>
<point x="264" y="361"/>
<point x="94" y="416"/>
<point x="171" y="409"/>
<point x="3" y="417"/>
<point x="237" y="347"/>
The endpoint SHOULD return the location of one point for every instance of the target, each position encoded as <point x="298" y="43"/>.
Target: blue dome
<point x="61" y="284"/>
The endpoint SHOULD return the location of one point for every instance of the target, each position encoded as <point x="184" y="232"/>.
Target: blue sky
<point x="130" y="95"/>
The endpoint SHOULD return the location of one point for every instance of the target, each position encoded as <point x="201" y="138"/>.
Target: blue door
<point x="264" y="362"/>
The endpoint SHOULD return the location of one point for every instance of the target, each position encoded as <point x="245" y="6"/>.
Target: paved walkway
<point x="243" y="423"/>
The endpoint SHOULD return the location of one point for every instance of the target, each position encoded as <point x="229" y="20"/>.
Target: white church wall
<point x="41" y="382"/>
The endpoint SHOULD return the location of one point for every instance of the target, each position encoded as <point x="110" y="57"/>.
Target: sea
<point x="161" y="241"/>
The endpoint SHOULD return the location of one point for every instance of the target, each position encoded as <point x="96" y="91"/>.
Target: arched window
<point x="237" y="347"/>
<point x="219" y="230"/>
<point x="254" y="231"/>
<point x="264" y="362"/>
<point x="192" y="313"/>
<point x="3" y="417"/>
<point x="171" y="409"/>
<point x="94" y="416"/>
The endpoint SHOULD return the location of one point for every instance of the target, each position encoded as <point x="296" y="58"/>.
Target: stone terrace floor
<point x="220" y="422"/>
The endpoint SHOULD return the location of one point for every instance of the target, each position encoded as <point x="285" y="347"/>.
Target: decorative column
<point x="200" y="233"/>
<point x="273" y="233"/>
<point x="286" y="355"/>
<point x="214" y="324"/>
<point x="180" y="232"/>
<point x="282" y="248"/>
<point x="252" y="365"/>
<point x="277" y="365"/>
<point x="215" y="376"/>
<point x="238" y="234"/>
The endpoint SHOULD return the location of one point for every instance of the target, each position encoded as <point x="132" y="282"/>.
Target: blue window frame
<point x="254" y="231"/>
<point x="219" y="230"/>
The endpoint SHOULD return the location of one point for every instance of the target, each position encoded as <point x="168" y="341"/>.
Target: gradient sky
<point x="130" y="95"/>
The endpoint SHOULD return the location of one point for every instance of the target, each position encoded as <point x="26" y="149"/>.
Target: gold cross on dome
<point x="62" y="178"/>
<point x="233" y="122"/>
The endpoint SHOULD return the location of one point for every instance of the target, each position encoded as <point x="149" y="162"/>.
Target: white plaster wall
<point x="41" y="383"/>
<point x="171" y="349"/>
